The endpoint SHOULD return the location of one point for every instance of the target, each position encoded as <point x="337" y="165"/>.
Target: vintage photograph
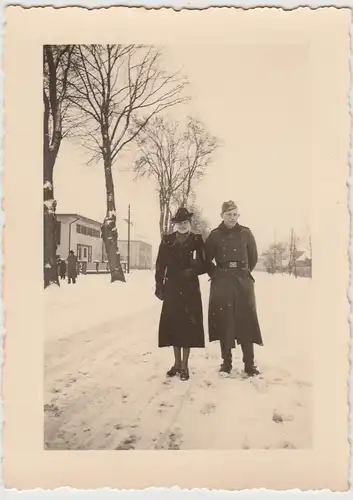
<point x="177" y="247"/>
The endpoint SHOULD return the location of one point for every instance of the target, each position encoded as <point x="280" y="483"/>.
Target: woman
<point x="181" y="258"/>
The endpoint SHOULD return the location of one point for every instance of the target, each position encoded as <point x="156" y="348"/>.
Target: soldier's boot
<point x="248" y="359"/>
<point x="252" y="371"/>
<point x="226" y="366"/>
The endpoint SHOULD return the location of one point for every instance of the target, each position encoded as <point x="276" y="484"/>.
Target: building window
<point x="88" y="231"/>
<point x="89" y="254"/>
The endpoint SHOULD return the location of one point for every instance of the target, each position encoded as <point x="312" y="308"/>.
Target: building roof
<point x="304" y="255"/>
<point x="134" y="241"/>
<point x="80" y="217"/>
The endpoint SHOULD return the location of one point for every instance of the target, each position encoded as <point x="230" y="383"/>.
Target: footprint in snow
<point x="53" y="409"/>
<point x="287" y="445"/>
<point x="128" y="443"/>
<point x="174" y="441"/>
<point x="208" y="408"/>
<point x="279" y="418"/>
<point x="163" y="406"/>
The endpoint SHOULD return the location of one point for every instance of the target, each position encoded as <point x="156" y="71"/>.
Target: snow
<point x="49" y="204"/>
<point x="105" y="384"/>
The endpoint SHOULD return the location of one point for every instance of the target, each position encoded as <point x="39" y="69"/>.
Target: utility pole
<point x="293" y="253"/>
<point x="128" y="239"/>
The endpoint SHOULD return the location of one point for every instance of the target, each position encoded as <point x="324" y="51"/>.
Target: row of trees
<point x="110" y="96"/>
<point x="283" y="256"/>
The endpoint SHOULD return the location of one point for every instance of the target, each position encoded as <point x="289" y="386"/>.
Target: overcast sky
<point x="256" y="100"/>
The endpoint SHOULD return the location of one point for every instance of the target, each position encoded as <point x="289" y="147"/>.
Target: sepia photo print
<point x="183" y="186"/>
<point x="164" y="176"/>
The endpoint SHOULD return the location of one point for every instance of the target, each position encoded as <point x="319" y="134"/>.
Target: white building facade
<point x="83" y="236"/>
<point x="140" y="254"/>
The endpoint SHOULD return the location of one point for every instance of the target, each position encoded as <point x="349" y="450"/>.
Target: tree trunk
<point x="109" y="229"/>
<point x="50" y="271"/>
<point x="167" y="221"/>
<point x="161" y="215"/>
<point x="170" y="224"/>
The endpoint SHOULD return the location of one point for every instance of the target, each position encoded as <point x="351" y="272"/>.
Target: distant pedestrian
<point x="181" y="258"/>
<point x="232" y="312"/>
<point x="72" y="267"/>
<point x="62" y="269"/>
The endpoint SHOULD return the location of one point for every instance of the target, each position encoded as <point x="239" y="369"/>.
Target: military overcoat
<point x="232" y="314"/>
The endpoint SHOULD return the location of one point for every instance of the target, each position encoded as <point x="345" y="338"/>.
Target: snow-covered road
<point x="105" y="384"/>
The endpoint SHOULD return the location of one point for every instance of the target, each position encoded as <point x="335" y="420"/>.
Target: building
<point x="140" y="254"/>
<point x="83" y="236"/>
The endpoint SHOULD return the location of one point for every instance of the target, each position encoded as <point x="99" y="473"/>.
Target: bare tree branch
<point x="175" y="157"/>
<point x="116" y="91"/>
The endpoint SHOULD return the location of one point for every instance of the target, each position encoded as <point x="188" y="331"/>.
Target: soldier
<point x="232" y="312"/>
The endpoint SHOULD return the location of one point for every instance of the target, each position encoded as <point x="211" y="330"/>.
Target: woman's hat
<point x="182" y="215"/>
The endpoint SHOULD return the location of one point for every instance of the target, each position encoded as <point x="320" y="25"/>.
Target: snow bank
<point x="94" y="300"/>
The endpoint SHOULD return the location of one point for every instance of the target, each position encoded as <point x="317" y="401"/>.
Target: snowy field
<point x="105" y="384"/>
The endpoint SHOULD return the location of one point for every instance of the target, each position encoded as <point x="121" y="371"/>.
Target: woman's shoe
<point x="173" y="371"/>
<point x="225" y="369"/>
<point x="184" y="374"/>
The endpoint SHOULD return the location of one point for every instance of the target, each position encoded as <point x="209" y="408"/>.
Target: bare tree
<point x="57" y="66"/>
<point x="198" y="222"/>
<point x="199" y="148"/>
<point x="273" y="257"/>
<point x="117" y="91"/>
<point x="176" y="157"/>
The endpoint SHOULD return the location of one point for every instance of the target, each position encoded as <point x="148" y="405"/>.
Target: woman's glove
<point x="159" y="293"/>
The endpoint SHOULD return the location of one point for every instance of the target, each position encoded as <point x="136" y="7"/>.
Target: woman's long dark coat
<point x="181" y="321"/>
<point x="232" y="311"/>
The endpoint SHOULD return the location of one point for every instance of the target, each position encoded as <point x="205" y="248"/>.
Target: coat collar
<point x="173" y="237"/>
<point x="222" y="227"/>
